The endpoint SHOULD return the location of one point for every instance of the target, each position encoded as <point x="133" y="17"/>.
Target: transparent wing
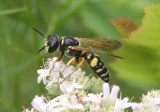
<point x="104" y="44"/>
<point x="86" y="49"/>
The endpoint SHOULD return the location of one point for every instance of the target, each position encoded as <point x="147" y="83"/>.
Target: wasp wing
<point x="78" y="48"/>
<point x="104" y="44"/>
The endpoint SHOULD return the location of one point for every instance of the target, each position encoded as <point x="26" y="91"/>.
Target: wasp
<point x="71" y="47"/>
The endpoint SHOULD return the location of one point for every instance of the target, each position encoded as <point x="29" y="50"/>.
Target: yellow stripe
<point x="62" y="41"/>
<point x="103" y="75"/>
<point x="89" y="56"/>
<point x="99" y="70"/>
<point x="106" y="79"/>
<point x="94" y="62"/>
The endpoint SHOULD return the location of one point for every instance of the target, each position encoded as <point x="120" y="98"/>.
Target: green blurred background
<point x="19" y="43"/>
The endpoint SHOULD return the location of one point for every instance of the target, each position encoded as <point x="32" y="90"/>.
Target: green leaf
<point x="141" y="52"/>
<point x="12" y="11"/>
<point x="123" y="25"/>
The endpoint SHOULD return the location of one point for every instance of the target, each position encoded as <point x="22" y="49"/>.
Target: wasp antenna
<point x="39" y="32"/>
<point x="40" y="49"/>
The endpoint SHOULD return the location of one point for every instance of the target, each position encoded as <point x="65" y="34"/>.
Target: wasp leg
<point x="69" y="62"/>
<point x="80" y="63"/>
<point x="57" y="60"/>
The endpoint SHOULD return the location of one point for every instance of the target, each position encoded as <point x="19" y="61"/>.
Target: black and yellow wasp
<point x="71" y="47"/>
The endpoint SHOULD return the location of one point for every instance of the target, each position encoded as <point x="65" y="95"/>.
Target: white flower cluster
<point x="57" y="74"/>
<point x="73" y="94"/>
<point x="150" y="102"/>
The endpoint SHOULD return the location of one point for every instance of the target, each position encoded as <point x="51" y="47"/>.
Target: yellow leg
<point x="80" y="63"/>
<point x="69" y="62"/>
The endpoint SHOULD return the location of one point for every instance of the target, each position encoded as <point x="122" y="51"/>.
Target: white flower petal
<point x="114" y="93"/>
<point x="68" y="88"/>
<point x="137" y="107"/>
<point x="120" y="105"/>
<point x="27" y="110"/>
<point x="43" y="73"/>
<point x="106" y="90"/>
<point x="56" y="65"/>
<point x="39" y="104"/>
<point x="77" y="86"/>
<point x="65" y="87"/>
<point x="93" y="97"/>
<point x="77" y="106"/>
<point x="54" y="59"/>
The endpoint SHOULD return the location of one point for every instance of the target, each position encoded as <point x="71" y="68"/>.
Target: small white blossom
<point x="109" y="98"/>
<point x="55" y="75"/>
<point x="120" y="105"/>
<point x="106" y="90"/>
<point x="138" y="107"/>
<point x="106" y="100"/>
<point x="94" y="98"/>
<point x="150" y="102"/>
<point x="27" y="110"/>
<point x="43" y="74"/>
<point x="39" y="104"/>
<point x="67" y="87"/>
<point x="66" y="101"/>
<point x="114" y="94"/>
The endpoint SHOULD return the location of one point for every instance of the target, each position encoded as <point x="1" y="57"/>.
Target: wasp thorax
<point x="51" y="43"/>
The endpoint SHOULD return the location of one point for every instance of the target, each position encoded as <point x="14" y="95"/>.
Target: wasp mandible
<point x="70" y="46"/>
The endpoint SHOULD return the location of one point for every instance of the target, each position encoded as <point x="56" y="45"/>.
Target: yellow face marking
<point x="94" y="62"/>
<point x="89" y="56"/>
<point x="62" y="41"/>
<point x="46" y="49"/>
<point x="46" y="46"/>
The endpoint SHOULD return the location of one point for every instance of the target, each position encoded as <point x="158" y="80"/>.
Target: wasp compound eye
<point x="52" y="43"/>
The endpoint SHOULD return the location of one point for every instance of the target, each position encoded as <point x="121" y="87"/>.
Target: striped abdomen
<point x="97" y="65"/>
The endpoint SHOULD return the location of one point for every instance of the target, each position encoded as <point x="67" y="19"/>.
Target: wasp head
<point x="51" y="43"/>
